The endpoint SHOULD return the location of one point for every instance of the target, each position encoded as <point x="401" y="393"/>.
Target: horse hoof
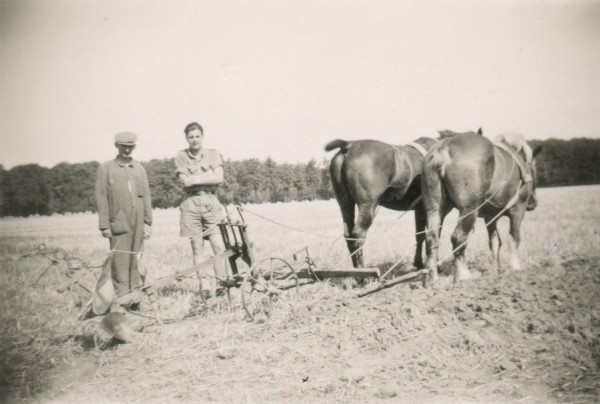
<point x="430" y="282"/>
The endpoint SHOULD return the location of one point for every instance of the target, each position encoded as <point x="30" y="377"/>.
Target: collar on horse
<point x="525" y="173"/>
<point x="418" y="147"/>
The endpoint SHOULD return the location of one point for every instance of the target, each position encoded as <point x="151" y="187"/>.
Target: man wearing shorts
<point x="200" y="171"/>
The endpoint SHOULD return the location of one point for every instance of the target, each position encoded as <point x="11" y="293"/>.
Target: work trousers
<point x="127" y="247"/>
<point x="125" y="274"/>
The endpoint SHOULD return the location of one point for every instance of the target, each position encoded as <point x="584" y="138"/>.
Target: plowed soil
<point x="529" y="336"/>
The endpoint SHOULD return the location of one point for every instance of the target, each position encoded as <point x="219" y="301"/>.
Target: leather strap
<point x="418" y="147"/>
<point x="525" y="174"/>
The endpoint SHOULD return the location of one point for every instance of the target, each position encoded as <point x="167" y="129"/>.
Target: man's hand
<point x="147" y="231"/>
<point x="106" y="233"/>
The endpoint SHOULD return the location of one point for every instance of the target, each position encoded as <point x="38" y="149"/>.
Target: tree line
<point x="69" y="188"/>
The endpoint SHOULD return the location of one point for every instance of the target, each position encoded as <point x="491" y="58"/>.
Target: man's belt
<point x="201" y="191"/>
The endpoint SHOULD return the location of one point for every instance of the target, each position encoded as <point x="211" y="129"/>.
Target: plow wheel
<point x="265" y="283"/>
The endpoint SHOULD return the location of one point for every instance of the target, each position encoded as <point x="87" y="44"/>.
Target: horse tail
<point x="338" y="144"/>
<point x="439" y="160"/>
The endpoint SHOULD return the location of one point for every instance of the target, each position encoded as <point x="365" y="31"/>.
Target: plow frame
<point x="237" y="246"/>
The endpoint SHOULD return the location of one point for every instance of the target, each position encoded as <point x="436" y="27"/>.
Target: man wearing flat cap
<point x="124" y="211"/>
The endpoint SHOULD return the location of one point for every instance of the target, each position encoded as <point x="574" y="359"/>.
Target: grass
<point x="323" y="333"/>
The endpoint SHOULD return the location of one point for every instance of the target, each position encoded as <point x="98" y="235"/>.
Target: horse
<point x="368" y="173"/>
<point x="480" y="179"/>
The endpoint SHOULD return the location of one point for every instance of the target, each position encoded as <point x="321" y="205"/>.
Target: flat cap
<point x="126" y="138"/>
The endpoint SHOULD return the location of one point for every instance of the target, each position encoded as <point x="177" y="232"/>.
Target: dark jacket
<point x="123" y="197"/>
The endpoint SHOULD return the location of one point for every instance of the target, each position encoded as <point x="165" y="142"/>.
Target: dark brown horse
<point x="368" y="173"/>
<point x="482" y="179"/>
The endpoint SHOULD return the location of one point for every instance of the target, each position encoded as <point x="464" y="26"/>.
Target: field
<point x="530" y="336"/>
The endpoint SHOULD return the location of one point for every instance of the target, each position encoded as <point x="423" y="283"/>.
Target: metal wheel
<point x="265" y="283"/>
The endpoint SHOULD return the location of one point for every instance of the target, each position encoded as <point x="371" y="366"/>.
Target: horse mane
<point x="517" y="142"/>
<point x="449" y="133"/>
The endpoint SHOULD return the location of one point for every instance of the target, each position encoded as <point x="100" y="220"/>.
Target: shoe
<point x="142" y="306"/>
<point x="220" y="292"/>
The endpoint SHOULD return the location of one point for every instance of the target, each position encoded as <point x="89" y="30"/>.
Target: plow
<point x="259" y="281"/>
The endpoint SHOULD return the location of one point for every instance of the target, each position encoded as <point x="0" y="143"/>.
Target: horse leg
<point x="345" y="202"/>
<point x="436" y="206"/>
<point x="446" y="208"/>
<point x="432" y="246"/>
<point x="495" y="243"/>
<point x="347" y="209"/>
<point x="420" y="224"/>
<point x="459" y="244"/>
<point x="366" y="214"/>
<point x="516" y="218"/>
<point x="433" y="203"/>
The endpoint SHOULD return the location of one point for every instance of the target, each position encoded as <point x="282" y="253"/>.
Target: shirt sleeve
<point x="180" y="164"/>
<point x="102" y="197"/>
<point x="216" y="160"/>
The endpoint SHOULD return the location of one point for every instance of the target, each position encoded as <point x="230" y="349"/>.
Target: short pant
<point x="199" y="215"/>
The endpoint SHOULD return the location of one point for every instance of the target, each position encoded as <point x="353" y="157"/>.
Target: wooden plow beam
<point x="84" y="278"/>
<point x="151" y="289"/>
<point x="319" y="274"/>
<point x="388" y="284"/>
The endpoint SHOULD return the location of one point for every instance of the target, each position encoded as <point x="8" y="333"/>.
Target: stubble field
<point x="530" y="336"/>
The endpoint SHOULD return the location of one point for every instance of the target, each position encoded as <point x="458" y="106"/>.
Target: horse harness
<point x="418" y="147"/>
<point x="525" y="172"/>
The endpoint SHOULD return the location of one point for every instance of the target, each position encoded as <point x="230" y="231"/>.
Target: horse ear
<point x="479" y="131"/>
<point x="536" y="151"/>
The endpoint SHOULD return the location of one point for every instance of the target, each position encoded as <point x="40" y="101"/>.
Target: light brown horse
<point x="368" y="173"/>
<point x="482" y="179"/>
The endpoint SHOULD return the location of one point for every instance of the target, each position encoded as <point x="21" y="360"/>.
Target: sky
<point x="280" y="79"/>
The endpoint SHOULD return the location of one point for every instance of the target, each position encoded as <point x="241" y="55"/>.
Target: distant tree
<point x="297" y="182"/>
<point x="312" y="178"/>
<point x="568" y="162"/>
<point x="72" y="187"/>
<point x="164" y="188"/>
<point x="229" y="191"/>
<point x="31" y="189"/>
<point x="3" y="202"/>
<point x="326" y="189"/>
<point x="251" y="180"/>
<point x="285" y="177"/>
<point x="273" y="181"/>
<point x="26" y="191"/>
